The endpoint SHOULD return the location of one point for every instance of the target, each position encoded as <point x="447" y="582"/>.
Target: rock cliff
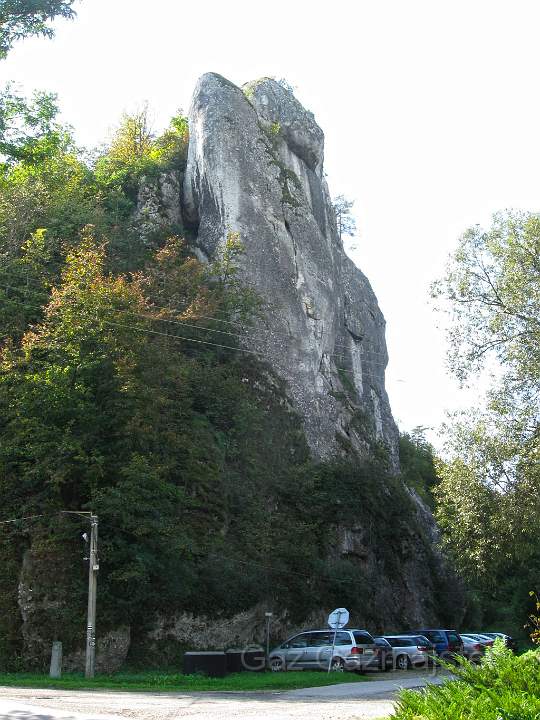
<point x="255" y="167"/>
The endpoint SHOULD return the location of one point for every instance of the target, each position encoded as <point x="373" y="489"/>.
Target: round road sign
<point x="338" y="619"/>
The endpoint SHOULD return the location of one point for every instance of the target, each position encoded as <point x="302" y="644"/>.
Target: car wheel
<point x="277" y="665"/>
<point x="402" y="662"/>
<point x="337" y="665"/>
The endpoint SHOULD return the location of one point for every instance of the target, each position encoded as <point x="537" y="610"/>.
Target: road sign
<point x="338" y="619"/>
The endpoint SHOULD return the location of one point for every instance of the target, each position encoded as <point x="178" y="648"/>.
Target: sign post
<point x="336" y="620"/>
<point x="268" y="616"/>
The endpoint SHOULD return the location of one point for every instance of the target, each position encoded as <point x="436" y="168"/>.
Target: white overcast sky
<point x="431" y="112"/>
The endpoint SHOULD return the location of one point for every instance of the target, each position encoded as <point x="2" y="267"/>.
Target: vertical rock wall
<point x="255" y="166"/>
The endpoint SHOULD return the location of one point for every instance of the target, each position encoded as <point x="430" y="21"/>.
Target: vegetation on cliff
<point x="123" y="389"/>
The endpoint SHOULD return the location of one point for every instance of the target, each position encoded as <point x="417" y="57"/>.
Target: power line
<point x="27" y="517"/>
<point x="181" y="337"/>
<point x="363" y="373"/>
<point x="49" y="515"/>
<point x="214" y="554"/>
<point x="364" y="351"/>
<point x="207" y="329"/>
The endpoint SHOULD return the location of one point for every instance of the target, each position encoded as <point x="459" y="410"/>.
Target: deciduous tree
<point x="24" y="18"/>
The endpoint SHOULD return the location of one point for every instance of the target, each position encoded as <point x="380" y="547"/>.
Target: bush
<point x="502" y="687"/>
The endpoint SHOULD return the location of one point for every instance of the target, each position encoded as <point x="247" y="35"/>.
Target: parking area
<point x="349" y="701"/>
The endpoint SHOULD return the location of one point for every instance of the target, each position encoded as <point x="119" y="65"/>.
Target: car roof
<point x="404" y="635"/>
<point x="321" y="630"/>
<point x="436" y="630"/>
<point x="331" y="629"/>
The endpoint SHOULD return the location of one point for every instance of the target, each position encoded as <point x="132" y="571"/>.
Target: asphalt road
<point x="348" y="701"/>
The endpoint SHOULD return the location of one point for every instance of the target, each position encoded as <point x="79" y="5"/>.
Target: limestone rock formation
<point x="255" y="166"/>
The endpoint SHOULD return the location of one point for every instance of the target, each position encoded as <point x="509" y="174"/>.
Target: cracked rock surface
<point x="255" y="166"/>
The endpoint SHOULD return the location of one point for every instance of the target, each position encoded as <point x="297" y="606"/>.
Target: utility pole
<point x="93" y="567"/>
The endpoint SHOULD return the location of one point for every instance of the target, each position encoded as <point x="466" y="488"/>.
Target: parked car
<point x="473" y="649"/>
<point x="385" y="654"/>
<point x="481" y="637"/>
<point x="354" y="650"/>
<point x="410" y="650"/>
<point x="508" y="641"/>
<point x="447" y="642"/>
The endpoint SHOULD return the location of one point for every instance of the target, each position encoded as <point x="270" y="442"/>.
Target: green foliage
<point x="534" y="619"/>
<point x="346" y="224"/>
<point x="491" y="290"/>
<point x="123" y="390"/>
<point x="24" y="18"/>
<point x="135" y="152"/>
<point x="28" y="129"/>
<point x="502" y="686"/>
<point x="417" y="461"/>
<point x="487" y="501"/>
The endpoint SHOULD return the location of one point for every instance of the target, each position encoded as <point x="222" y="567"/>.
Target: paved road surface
<point x="348" y="701"/>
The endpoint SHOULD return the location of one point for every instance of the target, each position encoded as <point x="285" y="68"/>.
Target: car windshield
<point x="362" y="638"/>
<point x="400" y="642"/>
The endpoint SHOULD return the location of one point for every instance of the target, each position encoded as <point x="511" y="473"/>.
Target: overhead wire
<point x="170" y="336"/>
<point x="218" y="556"/>
<point x="204" y="328"/>
<point x="214" y="319"/>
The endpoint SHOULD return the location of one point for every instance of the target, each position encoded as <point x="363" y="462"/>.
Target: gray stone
<point x="55" y="670"/>
<point x="111" y="652"/>
<point x="255" y="166"/>
<point x="158" y="206"/>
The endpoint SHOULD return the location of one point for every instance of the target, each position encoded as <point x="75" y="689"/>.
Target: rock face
<point x="255" y="167"/>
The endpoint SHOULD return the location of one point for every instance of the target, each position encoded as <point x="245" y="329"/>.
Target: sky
<point x="431" y="114"/>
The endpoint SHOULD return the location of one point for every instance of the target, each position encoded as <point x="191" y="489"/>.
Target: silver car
<point x="312" y="650"/>
<point x="411" y="651"/>
<point x="473" y="647"/>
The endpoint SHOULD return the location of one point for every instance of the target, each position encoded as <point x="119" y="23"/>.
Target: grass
<point x="175" y="682"/>
<point x="502" y="687"/>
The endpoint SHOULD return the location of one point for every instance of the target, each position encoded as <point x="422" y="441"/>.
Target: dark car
<point x="447" y="642"/>
<point x="510" y="643"/>
<point x="385" y="654"/>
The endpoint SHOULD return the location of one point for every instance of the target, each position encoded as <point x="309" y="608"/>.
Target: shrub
<point x="502" y="687"/>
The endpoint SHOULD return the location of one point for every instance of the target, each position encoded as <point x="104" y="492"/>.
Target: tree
<point x="492" y="292"/>
<point x="29" y="129"/>
<point x="417" y="461"/>
<point x="487" y="501"/>
<point x="134" y="138"/>
<point x="24" y="18"/>
<point x="346" y="224"/>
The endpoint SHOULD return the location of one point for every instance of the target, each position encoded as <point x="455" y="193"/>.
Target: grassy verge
<point x="174" y="682"/>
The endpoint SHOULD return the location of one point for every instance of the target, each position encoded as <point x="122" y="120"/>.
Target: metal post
<point x="334" y="643"/>
<point x="268" y="616"/>
<point x="93" y="568"/>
